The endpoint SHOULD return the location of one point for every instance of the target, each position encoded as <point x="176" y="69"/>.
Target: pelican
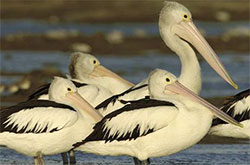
<point x="87" y="69"/>
<point x="173" y="119"/>
<point x="92" y="93"/>
<point x="178" y="32"/>
<point x="237" y="107"/>
<point x="47" y="127"/>
<point x="94" y="81"/>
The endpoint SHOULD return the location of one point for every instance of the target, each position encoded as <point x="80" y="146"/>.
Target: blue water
<point x="205" y="154"/>
<point x="135" y="68"/>
<point x="128" y="29"/>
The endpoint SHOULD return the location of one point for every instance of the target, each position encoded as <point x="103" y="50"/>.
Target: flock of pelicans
<point x="96" y="111"/>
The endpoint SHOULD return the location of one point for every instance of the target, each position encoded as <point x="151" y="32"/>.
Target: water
<point x="135" y="68"/>
<point x="198" y="154"/>
<point x="128" y="29"/>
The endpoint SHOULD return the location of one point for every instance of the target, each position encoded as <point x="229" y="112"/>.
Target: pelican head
<point x="85" y="66"/>
<point x="64" y="91"/>
<point x="178" y="31"/>
<point x="82" y="65"/>
<point x="156" y="78"/>
<point x="171" y="88"/>
<point x="176" y="12"/>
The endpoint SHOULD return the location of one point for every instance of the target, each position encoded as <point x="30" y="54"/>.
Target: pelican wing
<point x="237" y="107"/>
<point x="136" y="119"/>
<point x="94" y="94"/>
<point x="114" y="98"/>
<point x="44" y="90"/>
<point x="37" y="116"/>
<point x="78" y="84"/>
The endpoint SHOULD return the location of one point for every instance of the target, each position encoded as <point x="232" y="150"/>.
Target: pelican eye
<point x="94" y="61"/>
<point x="185" y="17"/>
<point x="167" y="80"/>
<point x="69" y="89"/>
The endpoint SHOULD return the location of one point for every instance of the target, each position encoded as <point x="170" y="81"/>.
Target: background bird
<point x="238" y="107"/>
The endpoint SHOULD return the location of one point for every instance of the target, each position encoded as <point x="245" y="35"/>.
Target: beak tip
<point x="235" y="86"/>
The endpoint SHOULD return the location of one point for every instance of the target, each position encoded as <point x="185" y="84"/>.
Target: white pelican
<point x="87" y="69"/>
<point x="178" y="32"/>
<point x="173" y="119"/>
<point x="46" y="127"/>
<point x="237" y="107"/>
<point x="95" y="83"/>
<point x="92" y="93"/>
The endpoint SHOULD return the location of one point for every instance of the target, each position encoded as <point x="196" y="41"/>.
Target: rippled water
<point x="128" y="29"/>
<point x="135" y="68"/>
<point x="198" y="154"/>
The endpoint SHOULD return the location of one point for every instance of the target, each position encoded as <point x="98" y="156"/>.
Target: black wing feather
<point x="100" y="133"/>
<point x="114" y="98"/>
<point x="5" y="113"/>
<point x="226" y="108"/>
<point x="78" y="84"/>
<point x="44" y="89"/>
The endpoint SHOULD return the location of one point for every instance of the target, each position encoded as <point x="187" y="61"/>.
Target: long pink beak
<point x="188" y="31"/>
<point x="101" y="71"/>
<point x="179" y="89"/>
<point x="84" y="106"/>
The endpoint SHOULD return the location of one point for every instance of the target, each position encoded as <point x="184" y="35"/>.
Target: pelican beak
<point x="101" y="71"/>
<point x="179" y="89"/>
<point x="188" y="31"/>
<point x="77" y="100"/>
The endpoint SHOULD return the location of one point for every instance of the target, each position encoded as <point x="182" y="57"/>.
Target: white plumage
<point x="237" y="107"/>
<point x="41" y="118"/>
<point x="46" y="127"/>
<point x="151" y="128"/>
<point x="88" y="69"/>
<point x="175" y="24"/>
<point x="94" y="82"/>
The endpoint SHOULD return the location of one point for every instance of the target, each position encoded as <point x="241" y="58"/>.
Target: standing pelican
<point x="94" y="82"/>
<point x="47" y="127"/>
<point x="178" y="32"/>
<point x="238" y="107"/>
<point x="173" y="119"/>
